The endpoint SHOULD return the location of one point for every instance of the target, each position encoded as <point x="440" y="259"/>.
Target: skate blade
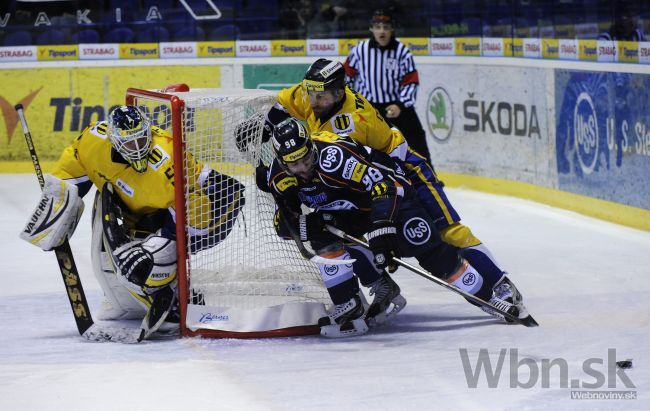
<point x="349" y="329"/>
<point x="397" y="304"/>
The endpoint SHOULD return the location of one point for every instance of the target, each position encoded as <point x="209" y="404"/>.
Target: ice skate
<point x="387" y="302"/>
<point x="507" y="298"/>
<point x="344" y="320"/>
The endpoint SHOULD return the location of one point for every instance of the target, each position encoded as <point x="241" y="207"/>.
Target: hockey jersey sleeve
<point x="69" y="168"/>
<point x="409" y="81"/>
<point x="295" y="101"/>
<point x="214" y="201"/>
<point x="283" y="188"/>
<point x="371" y="130"/>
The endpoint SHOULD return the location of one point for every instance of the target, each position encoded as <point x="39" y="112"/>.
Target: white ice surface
<point x="587" y="282"/>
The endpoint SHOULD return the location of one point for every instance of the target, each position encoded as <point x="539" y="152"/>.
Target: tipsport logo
<point x="73" y="114"/>
<point x="585" y="132"/>
<point x="440" y="114"/>
<point x="9" y="112"/>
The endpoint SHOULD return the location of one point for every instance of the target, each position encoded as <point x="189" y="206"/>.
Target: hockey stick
<point x="308" y="255"/>
<point x="528" y="321"/>
<point x="71" y="279"/>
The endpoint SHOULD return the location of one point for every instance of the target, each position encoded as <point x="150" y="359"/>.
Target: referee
<point x="383" y="71"/>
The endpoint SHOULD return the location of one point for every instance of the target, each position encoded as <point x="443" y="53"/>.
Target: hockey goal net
<point x="251" y="283"/>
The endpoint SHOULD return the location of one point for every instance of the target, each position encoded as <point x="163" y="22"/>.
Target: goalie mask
<point x="130" y="133"/>
<point x="294" y="149"/>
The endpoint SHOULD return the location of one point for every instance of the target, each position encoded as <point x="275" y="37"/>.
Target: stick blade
<point x="529" y="322"/>
<point x="97" y="333"/>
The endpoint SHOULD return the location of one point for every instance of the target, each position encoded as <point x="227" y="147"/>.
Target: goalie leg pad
<point x="56" y="216"/>
<point x="119" y="303"/>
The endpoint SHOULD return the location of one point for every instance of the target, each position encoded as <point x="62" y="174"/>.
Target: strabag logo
<point x="440" y="114"/>
<point x="585" y="132"/>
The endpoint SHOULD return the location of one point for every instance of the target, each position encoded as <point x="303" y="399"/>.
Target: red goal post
<point x="251" y="284"/>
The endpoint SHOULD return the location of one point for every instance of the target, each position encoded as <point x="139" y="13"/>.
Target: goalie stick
<point x="74" y="290"/>
<point x="528" y="321"/>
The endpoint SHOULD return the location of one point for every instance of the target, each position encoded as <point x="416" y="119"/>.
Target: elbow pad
<point x="385" y="196"/>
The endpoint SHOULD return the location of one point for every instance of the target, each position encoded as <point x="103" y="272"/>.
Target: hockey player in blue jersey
<point x="324" y="102"/>
<point x="361" y="191"/>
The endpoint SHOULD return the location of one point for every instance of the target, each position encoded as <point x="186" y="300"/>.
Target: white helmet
<point x="130" y="133"/>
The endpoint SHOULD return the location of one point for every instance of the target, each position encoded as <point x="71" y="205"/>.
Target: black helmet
<point x="291" y="142"/>
<point x="382" y="16"/>
<point x="324" y="75"/>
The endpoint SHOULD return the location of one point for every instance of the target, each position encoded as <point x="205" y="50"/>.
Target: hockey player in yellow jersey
<point x="133" y="248"/>
<point x="325" y="103"/>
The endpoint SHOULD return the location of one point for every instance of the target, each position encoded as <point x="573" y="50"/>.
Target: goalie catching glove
<point x="56" y="216"/>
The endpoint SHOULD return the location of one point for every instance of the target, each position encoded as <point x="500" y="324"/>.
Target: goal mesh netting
<point x="251" y="283"/>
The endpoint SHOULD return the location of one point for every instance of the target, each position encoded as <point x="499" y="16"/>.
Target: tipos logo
<point x="417" y="231"/>
<point x="585" y="132"/>
<point x="440" y="114"/>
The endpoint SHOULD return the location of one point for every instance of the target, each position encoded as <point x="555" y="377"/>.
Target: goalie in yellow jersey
<point x="133" y="225"/>
<point x="325" y="103"/>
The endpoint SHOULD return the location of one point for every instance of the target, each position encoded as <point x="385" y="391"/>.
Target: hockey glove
<point x="261" y="181"/>
<point x="246" y="132"/>
<point x="312" y="227"/>
<point x="383" y="243"/>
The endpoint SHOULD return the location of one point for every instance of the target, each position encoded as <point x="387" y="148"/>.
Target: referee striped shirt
<point x="383" y="74"/>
